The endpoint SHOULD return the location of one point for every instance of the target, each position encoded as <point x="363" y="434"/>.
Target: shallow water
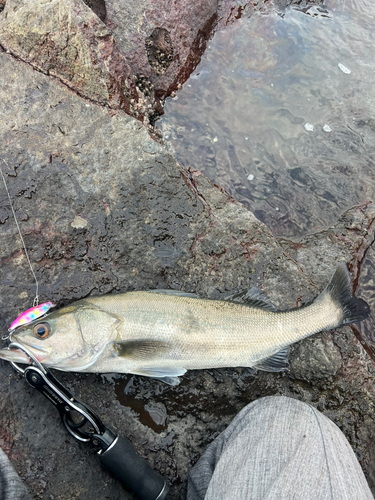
<point x="281" y="113"/>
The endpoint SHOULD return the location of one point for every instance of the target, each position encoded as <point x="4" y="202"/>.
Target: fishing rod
<point x="114" y="451"/>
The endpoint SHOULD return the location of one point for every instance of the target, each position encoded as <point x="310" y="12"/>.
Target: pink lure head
<point x="31" y="315"/>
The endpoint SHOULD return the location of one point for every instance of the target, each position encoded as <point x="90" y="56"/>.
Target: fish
<point x="164" y="333"/>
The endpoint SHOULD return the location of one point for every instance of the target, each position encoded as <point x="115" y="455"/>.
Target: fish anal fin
<point x="276" y="363"/>
<point x="253" y="298"/>
<point x="173" y="381"/>
<point x="167" y="375"/>
<point x="141" y="350"/>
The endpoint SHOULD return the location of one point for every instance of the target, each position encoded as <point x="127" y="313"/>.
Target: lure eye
<point x="42" y="330"/>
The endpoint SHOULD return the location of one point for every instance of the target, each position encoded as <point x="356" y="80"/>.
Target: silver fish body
<point x="161" y="334"/>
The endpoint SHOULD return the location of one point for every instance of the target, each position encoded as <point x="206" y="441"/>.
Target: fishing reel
<point x="114" y="451"/>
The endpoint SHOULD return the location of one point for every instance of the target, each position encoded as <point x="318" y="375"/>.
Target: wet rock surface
<point x="365" y="331"/>
<point x="67" y="40"/>
<point x="103" y="208"/>
<point x="124" y="55"/>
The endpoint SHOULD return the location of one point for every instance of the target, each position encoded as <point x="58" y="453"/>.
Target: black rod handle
<point x="124" y="461"/>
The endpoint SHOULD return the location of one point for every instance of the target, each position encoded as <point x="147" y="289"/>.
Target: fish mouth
<point x="14" y="356"/>
<point x="37" y="352"/>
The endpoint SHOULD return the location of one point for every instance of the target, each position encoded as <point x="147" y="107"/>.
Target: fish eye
<point x="42" y="330"/>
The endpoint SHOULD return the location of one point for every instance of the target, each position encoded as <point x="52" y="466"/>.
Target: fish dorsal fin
<point x="276" y="363"/>
<point x="140" y="350"/>
<point x="175" y="292"/>
<point x="253" y="298"/>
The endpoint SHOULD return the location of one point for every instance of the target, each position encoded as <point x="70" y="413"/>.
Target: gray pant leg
<point x="278" y="448"/>
<point x="11" y="486"/>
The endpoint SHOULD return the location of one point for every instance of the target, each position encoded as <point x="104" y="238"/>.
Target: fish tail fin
<point x="339" y="290"/>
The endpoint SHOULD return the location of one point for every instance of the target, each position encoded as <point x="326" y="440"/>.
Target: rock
<point x="314" y="360"/>
<point x="104" y="208"/>
<point x="365" y="289"/>
<point x="119" y="54"/>
<point x="349" y="240"/>
<point x="231" y="10"/>
<point x="162" y="49"/>
<point x="67" y="40"/>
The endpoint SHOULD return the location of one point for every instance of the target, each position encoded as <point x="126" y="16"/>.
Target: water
<point x="281" y="113"/>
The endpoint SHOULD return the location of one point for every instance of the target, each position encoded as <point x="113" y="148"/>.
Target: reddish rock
<point x="125" y="55"/>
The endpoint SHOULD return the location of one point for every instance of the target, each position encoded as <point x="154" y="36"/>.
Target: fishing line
<point x="36" y="299"/>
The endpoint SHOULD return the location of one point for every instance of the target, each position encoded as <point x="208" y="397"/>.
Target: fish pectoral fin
<point x="174" y="292"/>
<point x="167" y="375"/>
<point x="276" y="363"/>
<point x="141" y="350"/>
<point x="253" y="298"/>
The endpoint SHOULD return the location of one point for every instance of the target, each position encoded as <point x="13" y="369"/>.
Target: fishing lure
<point x="31" y="315"/>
